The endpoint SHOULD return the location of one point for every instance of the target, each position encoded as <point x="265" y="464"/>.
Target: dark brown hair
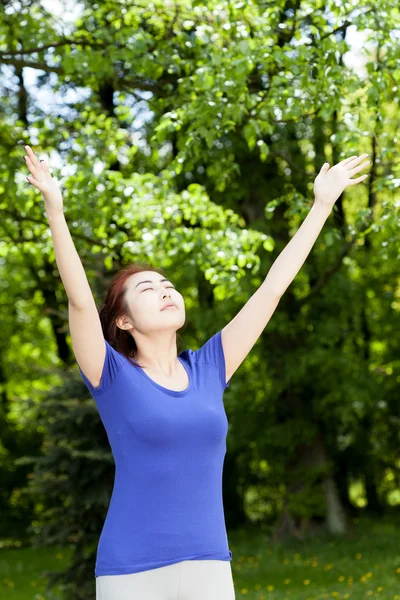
<point x="115" y="306"/>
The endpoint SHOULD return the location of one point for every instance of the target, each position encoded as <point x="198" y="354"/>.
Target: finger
<point x="358" y="180"/>
<point x="346" y="160"/>
<point x="33" y="169"/>
<point x="44" y="165"/>
<point x="37" y="184"/>
<point x="324" y="168"/>
<point x="355" y="161"/>
<point x="33" y="181"/>
<point x="32" y="155"/>
<point x="356" y="170"/>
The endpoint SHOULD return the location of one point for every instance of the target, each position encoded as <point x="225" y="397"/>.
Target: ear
<point x="124" y="324"/>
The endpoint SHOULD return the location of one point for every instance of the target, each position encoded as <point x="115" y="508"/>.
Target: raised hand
<point x="41" y="179"/>
<point x="331" y="182"/>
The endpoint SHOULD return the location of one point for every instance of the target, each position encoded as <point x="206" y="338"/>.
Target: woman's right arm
<point x="84" y="321"/>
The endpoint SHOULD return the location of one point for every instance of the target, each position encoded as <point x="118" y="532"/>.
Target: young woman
<point x="164" y="537"/>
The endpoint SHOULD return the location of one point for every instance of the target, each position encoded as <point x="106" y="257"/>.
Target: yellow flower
<point x="369" y="593"/>
<point x="270" y="588"/>
<point x="250" y="559"/>
<point x="341" y="578"/>
<point x="258" y="586"/>
<point x="398" y="570"/>
<point x="59" y="555"/>
<point x="346" y="596"/>
<point x="358" y="556"/>
<point x="306" y="582"/>
<point x="379" y="589"/>
<point x="244" y="591"/>
<point x="328" y="567"/>
<point x="334" y="594"/>
<point x="287" y="581"/>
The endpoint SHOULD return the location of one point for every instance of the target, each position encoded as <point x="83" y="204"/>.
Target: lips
<point x="170" y="304"/>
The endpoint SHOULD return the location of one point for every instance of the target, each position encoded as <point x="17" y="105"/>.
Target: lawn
<point x="364" y="567"/>
<point x="20" y="572"/>
<point x="367" y="566"/>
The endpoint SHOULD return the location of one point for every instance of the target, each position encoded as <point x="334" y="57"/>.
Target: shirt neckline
<point x="167" y="390"/>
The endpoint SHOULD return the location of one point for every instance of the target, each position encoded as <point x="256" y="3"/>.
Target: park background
<point x="189" y="134"/>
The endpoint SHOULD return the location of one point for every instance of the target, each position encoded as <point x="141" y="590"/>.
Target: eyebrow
<point x="149" y="281"/>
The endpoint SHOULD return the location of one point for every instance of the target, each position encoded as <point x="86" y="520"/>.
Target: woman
<point x="164" y="537"/>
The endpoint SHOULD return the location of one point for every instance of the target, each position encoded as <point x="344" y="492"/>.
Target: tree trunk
<point x="309" y="458"/>
<point x="335" y="516"/>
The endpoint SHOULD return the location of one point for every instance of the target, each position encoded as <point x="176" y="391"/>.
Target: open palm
<point x="41" y="179"/>
<point x="331" y="182"/>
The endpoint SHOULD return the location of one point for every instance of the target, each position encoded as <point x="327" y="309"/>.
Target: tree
<point x="193" y="137"/>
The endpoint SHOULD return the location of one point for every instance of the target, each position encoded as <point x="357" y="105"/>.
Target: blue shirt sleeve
<point x="113" y="362"/>
<point x="212" y="352"/>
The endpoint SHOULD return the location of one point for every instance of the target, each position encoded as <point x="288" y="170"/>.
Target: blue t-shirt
<point x="169" y="448"/>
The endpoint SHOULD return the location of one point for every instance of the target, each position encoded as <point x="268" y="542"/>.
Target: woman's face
<point x="147" y="294"/>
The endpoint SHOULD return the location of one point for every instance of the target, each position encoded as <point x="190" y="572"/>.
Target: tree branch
<point x="119" y="84"/>
<point x="52" y="45"/>
<point x="16" y="62"/>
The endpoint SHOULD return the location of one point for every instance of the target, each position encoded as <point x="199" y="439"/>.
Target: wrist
<point x="54" y="213"/>
<point x="321" y="208"/>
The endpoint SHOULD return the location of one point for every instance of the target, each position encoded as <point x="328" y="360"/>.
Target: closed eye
<point x="169" y="286"/>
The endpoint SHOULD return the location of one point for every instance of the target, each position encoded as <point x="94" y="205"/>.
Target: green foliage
<point x="71" y="484"/>
<point x="190" y="134"/>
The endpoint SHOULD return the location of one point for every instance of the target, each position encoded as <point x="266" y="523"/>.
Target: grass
<point x="364" y="567"/>
<point x="20" y="572"/>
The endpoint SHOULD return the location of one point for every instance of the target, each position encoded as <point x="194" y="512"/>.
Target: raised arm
<point x="241" y="333"/>
<point x="84" y="321"/>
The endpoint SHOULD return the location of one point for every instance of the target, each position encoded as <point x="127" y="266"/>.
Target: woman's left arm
<point x="328" y="186"/>
<point x="241" y="333"/>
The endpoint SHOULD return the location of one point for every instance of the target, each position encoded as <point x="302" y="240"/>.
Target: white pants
<point x="186" y="580"/>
